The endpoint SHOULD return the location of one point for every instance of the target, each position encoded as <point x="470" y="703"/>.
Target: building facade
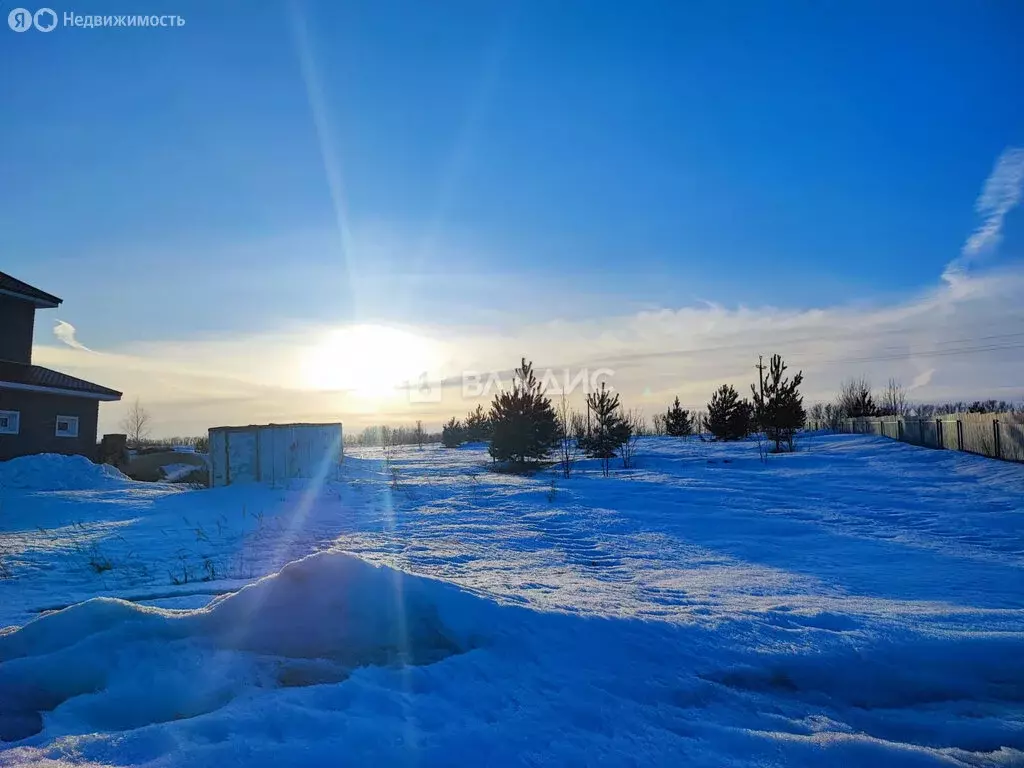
<point x="41" y="410"/>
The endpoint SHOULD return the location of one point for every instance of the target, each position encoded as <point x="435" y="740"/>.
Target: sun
<point x="370" y="361"/>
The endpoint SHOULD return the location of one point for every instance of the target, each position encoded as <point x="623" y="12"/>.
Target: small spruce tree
<point x="477" y="425"/>
<point x="728" y="417"/>
<point x="609" y="430"/>
<point x="778" y="405"/>
<point x="452" y="433"/>
<point x="745" y="423"/>
<point x="678" y="421"/>
<point x="524" y="427"/>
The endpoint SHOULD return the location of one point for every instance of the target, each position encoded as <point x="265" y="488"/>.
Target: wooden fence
<point x="996" y="435"/>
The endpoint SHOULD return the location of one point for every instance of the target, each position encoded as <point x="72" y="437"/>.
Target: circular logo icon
<point x="20" y="20"/>
<point x="45" y="19"/>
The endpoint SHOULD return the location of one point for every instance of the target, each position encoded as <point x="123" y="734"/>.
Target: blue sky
<point x="485" y="165"/>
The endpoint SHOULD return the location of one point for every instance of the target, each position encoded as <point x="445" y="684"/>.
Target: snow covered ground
<point x="860" y="602"/>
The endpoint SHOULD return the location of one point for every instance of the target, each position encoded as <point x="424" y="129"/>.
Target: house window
<point x="67" y="426"/>
<point x="9" y="422"/>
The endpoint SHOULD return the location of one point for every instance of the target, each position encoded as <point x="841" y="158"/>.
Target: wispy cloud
<point x="1001" y="194"/>
<point x="65" y="332"/>
<point x="922" y="379"/>
<point x="953" y="342"/>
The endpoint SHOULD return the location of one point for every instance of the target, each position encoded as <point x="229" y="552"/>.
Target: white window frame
<point x="72" y="426"/>
<point x="13" y="422"/>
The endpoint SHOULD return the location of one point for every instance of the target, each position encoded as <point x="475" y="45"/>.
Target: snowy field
<point x="859" y="603"/>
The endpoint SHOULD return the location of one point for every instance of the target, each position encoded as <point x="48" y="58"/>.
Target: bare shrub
<point x="388" y="445"/>
<point x="634" y="421"/>
<point x="136" y="424"/>
<point x="569" y="422"/>
<point x="893" y="400"/>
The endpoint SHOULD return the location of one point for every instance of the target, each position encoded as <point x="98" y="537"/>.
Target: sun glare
<point x="371" y="361"/>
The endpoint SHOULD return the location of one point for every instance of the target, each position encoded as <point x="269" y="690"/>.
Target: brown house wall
<point x="38" y="425"/>
<point x="16" y="324"/>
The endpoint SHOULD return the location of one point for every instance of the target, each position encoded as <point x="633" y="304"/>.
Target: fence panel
<point x="996" y="435"/>
<point x="913" y="432"/>
<point x="930" y="433"/>
<point x="1011" y="436"/>
<point x="978" y="434"/>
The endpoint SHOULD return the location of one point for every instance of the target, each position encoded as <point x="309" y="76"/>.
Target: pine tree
<point x="778" y="406"/>
<point x="477" y="426"/>
<point x="452" y="433"/>
<point x="678" y="421"/>
<point x="855" y="400"/>
<point x="745" y="422"/>
<point x="609" y="429"/>
<point x="728" y="417"/>
<point x="524" y="427"/>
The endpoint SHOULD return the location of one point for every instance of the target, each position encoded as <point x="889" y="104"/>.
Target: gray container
<point x="274" y="453"/>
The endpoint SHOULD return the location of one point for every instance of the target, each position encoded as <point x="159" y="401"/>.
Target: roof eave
<point x="108" y="396"/>
<point x="52" y="302"/>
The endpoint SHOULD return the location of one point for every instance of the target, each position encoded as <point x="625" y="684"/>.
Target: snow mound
<point x="336" y="606"/>
<point x="334" y="660"/>
<point x="174" y="472"/>
<point x="112" y="665"/>
<point x="54" y="472"/>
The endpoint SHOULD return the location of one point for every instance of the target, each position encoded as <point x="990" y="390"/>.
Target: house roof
<point x="12" y="286"/>
<point x="38" y="379"/>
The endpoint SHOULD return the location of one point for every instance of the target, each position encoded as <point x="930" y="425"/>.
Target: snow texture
<point x="859" y="603"/>
<point x="54" y="472"/>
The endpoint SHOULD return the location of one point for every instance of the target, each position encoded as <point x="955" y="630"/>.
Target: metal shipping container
<point x="273" y="453"/>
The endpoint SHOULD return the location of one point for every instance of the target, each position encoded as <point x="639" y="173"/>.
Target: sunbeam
<point x="328" y="153"/>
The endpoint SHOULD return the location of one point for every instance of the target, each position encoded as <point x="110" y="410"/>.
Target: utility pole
<point x="760" y="376"/>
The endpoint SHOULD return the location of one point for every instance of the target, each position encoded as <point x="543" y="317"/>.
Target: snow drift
<point x="857" y="603"/>
<point x="54" y="472"/>
<point x="335" y="659"/>
<point x="114" y="665"/>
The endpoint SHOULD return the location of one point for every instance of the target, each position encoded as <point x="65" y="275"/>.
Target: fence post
<point x="938" y="433"/>
<point x="899" y="430"/>
<point x="995" y="435"/>
<point x="959" y="435"/>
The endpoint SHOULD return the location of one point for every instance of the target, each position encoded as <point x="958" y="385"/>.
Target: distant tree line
<point x="523" y="428"/>
<point x="925" y="410"/>
<point x="856" y="399"/>
<point x="385" y="436"/>
<point x="476" y="427"/>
